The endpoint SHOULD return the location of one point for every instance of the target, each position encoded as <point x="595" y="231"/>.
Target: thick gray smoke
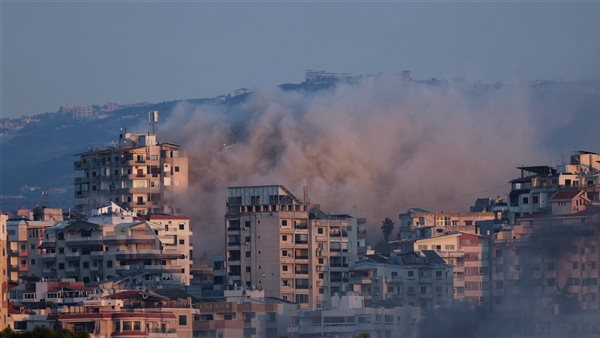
<point x="370" y="149"/>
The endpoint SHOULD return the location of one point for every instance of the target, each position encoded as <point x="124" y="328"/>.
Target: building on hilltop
<point x="139" y="174"/>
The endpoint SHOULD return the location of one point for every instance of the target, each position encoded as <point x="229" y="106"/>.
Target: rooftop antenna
<point x="153" y="120"/>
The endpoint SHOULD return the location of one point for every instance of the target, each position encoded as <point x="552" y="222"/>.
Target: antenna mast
<point x="153" y="120"/>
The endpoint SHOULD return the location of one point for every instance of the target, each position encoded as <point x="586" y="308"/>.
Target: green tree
<point x="387" y="227"/>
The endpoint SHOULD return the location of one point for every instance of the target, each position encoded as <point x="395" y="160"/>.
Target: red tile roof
<point x="565" y="195"/>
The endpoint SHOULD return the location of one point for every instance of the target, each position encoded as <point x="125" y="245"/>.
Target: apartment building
<point x="419" y="279"/>
<point x="547" y="264"/>
<point x="277" y="243"/>
<point x="3" y="273"/>
<point x="469" y="254"/>
<point x="418" y="223"/>
<point x="131" y="314"/>
<point x="139" y="174"/>
<point x="175" y="235"/>
<point x="127" y="250"/>
<point x="25" y="237"/>
<point x="243" y="313"/>
<point x="530" y="193"/>
<point x="352" y="316"/>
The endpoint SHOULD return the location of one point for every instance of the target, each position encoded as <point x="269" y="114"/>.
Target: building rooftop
<point x="565" y="195"/>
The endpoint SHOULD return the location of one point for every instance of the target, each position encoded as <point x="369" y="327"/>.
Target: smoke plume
<point x="370" y="149"/>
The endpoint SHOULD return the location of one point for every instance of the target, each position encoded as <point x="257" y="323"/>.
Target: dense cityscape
<point x="299" y="169"/>
<point x="121" y="262"/>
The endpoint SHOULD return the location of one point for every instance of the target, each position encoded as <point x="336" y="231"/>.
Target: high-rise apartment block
<point x="276" y="242"/>
<point x="139" y="174"/>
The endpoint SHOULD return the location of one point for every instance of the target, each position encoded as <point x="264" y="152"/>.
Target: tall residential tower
<point x="138" y="173"/>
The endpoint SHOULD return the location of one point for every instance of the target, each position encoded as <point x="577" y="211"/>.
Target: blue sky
<point x="93" y="52"/>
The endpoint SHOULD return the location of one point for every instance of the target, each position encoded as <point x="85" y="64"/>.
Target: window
<point x="248" y="253"/>
<point x="284" y="238"/>
<point x="411" y="273"/>
<point x="284" y="222"/>
<point x="248" y="269"/>
<point x="182" y="320"/>
<point x="284" y="253"/>
<point x="284" y="268"/>
<point x="182" y="226"/>
<point x="137" y="326"/>
<point x="525" y="200"/>
<point x="320" y="231"/>
<point x="109" y="264"/>
<point x="176" y="169"/>
<point x="182" y="241"/>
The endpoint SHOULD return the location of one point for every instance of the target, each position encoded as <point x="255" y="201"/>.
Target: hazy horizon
<point x="91" y="53"/>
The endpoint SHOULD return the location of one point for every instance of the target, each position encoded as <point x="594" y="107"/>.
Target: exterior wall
<point x="3" y="273"/>
<point x="139" y="174"/>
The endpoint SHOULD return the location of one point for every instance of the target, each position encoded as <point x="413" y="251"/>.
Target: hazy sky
<point x="92" y="52"/>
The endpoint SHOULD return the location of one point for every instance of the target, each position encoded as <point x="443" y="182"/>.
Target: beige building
<point x="419" y="223"/>
<point x="112" y="248"/>
<point x="274" y="242"/>
<point x="175" y="234"/>
<point x="139" y="174"/>
<point x="3" y="273"/>
<point x="131" y="314"/>
<point x="244" y="313"/>
<point x="469" y="254"/>
<point x="25" y="238"/>
<point x="420" y="279"/>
